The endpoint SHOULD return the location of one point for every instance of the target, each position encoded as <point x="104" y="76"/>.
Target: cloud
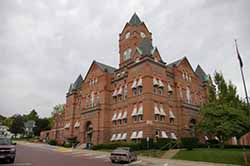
<point x="45" y="45"/>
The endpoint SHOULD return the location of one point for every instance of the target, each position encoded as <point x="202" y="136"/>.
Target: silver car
<point x="123" y="154"/>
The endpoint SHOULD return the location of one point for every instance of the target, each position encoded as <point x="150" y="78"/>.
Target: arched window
<point x="127" y="54"/>
<point x="188" y="95"/>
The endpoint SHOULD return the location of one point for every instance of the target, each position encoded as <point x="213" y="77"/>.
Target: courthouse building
<point x="145" y="96"/>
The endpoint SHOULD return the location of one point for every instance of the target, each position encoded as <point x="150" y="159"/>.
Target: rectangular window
<point x="125" y="121"/>
<point x="120" y="122"/>
<point x="156" y="117"/>
<point x="134" y="118"/>
<point x="161" y="91"/>
<point x="140" y="90"/>
<point x="140" y="117"/>
<point x="162" y="118"/>
<point x="114" y="123"/>
<point x="134" y="91"/>
<point x="171" y="120"/>
<point x="155" y="90"/>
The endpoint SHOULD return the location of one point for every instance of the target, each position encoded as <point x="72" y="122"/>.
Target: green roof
<point x="201" y="74"/>
<point x="135" y="20"/>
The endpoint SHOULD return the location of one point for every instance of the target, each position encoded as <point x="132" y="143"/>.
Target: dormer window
<point x="142" y="35"/>
<point x="127" y="54"/>
<point x="127" y="35"/>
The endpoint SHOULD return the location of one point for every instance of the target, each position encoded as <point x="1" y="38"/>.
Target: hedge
<point x="52" y="142"/>
<point x="189" y="142"/>
<point x="162" y="144"/>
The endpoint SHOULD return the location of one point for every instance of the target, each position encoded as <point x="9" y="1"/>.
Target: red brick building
<point x="143" y="97"/>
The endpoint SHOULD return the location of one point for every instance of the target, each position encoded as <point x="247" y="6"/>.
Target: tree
<point x="17" y="126"/>
<point x="42" y="124"/>
<point x="8" y="121"/>
<point x="2" y="118"/>
<point x="33" y="115"/>
<point x="224" y="115"/>
<point x="58" y="109"/>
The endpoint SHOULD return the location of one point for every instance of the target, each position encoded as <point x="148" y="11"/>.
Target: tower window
<point x="142" y="35"/>
<point x="127" y="35"/>
<point x="127" y="54"/>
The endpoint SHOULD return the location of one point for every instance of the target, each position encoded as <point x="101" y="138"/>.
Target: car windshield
<point x="5" y="141"/>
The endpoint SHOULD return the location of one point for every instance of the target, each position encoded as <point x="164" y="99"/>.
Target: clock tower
<point x="134" y="34"/>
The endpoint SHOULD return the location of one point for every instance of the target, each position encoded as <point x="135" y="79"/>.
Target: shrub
<point x="189" y="142"/>
<point x="52" y="142"/>
<point x="142" y="145"/>
<point x="70" y="142"/>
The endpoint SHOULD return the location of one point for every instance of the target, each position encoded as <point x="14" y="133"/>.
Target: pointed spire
<point x="135" y="20"/>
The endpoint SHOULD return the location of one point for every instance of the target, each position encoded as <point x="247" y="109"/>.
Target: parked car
<point x="123" y="154"/>
<point x="7" y="150"/>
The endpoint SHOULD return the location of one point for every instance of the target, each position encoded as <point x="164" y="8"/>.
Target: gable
<point x="185" y="65"/>
<point x="96" y="68"/>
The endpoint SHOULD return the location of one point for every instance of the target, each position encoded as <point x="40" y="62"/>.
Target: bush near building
<point x="162" y="144"/>
<point x="189" y="142"/>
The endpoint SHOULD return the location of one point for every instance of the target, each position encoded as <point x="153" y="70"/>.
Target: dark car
<point x="123" y="154"/>
<point x="7" y="150"/>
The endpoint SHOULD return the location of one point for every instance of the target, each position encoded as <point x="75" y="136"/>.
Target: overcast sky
<point x="45" y="44"/>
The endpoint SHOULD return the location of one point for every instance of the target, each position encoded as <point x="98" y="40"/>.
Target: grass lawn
<point x="227" y="156"/>
<point x="150" y="153"/>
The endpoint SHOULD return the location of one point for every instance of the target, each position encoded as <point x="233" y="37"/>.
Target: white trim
<point x="162" y="112"/>
<point x="173" y="136"/>
<point x="134" y="113"/>
<point x="114" y="93"/>
<point x="124" y="136"/>
<point x="140" y="134"/>
<point x="155" y="82"/>
<point x="118" y="137"/>
<point x="140" y="110"/>
<point x="114" y="117"/>
<point x="164" y="134"/>
<point x="156" y="110"/>
<point x="170" y="88"/>
<point x="125" y="114"/>
<point x="113" y="137"/>
<point x="119" y="117"/>
<point x="139" y="83"/>
<point x="120" y="91"/>
<point x="67" y="125"/>
<point x="133" y="135"/>
<point x="77" y="124"/>
<point x="161" y="85"/>
<point x="171" y="114"/>
<point x="134" y="84"/>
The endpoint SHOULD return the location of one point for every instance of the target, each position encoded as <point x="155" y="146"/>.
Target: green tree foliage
<point x="33" y="115"/>
<point x="41" y="125"/>
<point x="225" y="114"/>
<point x="2" y="118"/>
<point x="8" y="121"/>
<point x="17" y="126"/>
<point x="58" y="109"/>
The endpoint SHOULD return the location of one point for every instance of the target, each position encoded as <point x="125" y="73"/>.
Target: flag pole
<point x="242" y="74"/>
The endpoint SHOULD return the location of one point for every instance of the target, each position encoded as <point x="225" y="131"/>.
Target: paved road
<point x="30" y="154"/>
<point x="43" y="155"/>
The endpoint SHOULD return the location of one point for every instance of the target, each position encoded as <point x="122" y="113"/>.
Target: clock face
<point x="127" y="35"/>
<point x="142" y="35"/>
<point x="127" y="54"/>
